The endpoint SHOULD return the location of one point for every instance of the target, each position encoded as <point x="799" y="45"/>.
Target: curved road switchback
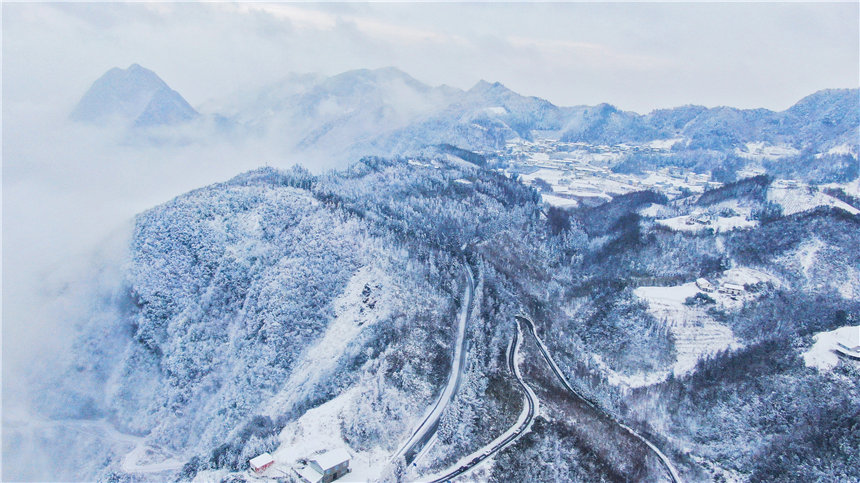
<point x="670" y="468"/>
<point x="506" y="439"/>
<point x="425" y="431"/>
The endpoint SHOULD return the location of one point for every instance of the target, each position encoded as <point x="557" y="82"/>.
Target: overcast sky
<point x="636" y="56"/>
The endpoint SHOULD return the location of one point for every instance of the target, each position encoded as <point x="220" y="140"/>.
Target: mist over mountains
<point x="134" y="95"/>
<point x="547" y="293"/>
<point x="386" y="112"/>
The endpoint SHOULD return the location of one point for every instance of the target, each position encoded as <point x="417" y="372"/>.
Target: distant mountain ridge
<point x="135" y="95"/>
<point x="387" y="112"/>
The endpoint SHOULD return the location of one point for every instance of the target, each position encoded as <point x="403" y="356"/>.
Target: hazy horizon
<point x="638" y="57"/>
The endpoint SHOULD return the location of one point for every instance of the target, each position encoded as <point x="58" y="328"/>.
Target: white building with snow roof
<point x="325" y="467"/>
<point x="732" y="289"/>
<point x="704" y="285"/>
<point x="261" y="463"/>
<point x="848" y="341"/>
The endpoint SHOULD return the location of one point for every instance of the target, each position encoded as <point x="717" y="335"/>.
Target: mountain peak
<point x="133" y="95"/>
<point x="483" y="85"/>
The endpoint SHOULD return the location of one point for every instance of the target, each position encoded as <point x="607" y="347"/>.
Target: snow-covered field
<point x="578" y="170"/>
<point x="696" y="334"/>
<point x="794" y="199"/>
<point x="559" y="201"/>
<point x="719" y="224"/>
<point x="762" y="150"/>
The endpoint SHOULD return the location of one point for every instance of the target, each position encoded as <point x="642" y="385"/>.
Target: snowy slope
<point x="134" y="95"/>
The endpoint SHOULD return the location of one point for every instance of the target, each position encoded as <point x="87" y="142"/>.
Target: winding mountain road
<point x="425" y="431"/>
<point x="673" y="473"/>
<point x="523" y="422"/>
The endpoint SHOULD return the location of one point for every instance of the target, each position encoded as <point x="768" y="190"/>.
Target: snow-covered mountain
<point x="291" y="313"/>
<point x="643" y="317"/>
<point x="385" y="112"/>
<point x="135" y="96"/>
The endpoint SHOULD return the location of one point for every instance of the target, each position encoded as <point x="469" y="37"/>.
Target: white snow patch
<point x="807" y="253"/>
<point x="319" y="430"/>
<point x="795" y="199"/>
<point x="747" y="276"/>
<point x="652" y="210"/>
<point x="639" y="379"/>
<point x="367" y="299"/>
<point x="720" y="224"/>
<point x="761" y="150"/>
<point x="664" y="144"/>
<point x="496" y="110"/>
<point x="821" y="355"/>
<point x="558" y="201"/>
<point x="667" y="295"/>
<point x="844" y="148"/>
<point x="696" y="334"/>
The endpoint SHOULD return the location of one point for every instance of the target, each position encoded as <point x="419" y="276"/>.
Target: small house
<point x="732" y="289"/>
<point x="702" y="219"/>
<point x="261" y="463"/>
<point x="704" y="285"/>
<point x="848" y="341"/>
<point x="331" y="464"/>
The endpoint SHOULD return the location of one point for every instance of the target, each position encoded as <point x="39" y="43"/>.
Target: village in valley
<point x="571" y="174"/>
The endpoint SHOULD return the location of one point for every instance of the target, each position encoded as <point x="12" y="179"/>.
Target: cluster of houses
<point x="701" y="219"/>
<point x="730" y="289"/>
<point x="323" y="467"/>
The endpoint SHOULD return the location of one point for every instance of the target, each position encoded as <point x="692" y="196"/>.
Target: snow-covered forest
<point x="221" y="275"/>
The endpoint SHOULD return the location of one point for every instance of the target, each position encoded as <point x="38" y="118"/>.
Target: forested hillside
<point x="247" y="303"/>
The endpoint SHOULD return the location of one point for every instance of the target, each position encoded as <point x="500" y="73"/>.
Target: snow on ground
<point x="487" y="448"/>
<point x="551" y="176"/>
<point x="696" y="334"/>
<point x="750" y="171"/>
<point x="821" y="355"/>
<point x="319" y="429"/>
<point x="718" y="472"/>
<point x="138" y="456"/>
<point x="639" y="379"/>
<point x="844" y="148"/>
<point x="663" y="144"/>
<point x="728" y="223"/>
<point x="849" y="187"/>
<point x="794" y="199"/>
<point x="820" y="274"/>
<point x="652" y="210"/>
<point x="761" y="150"/>
<point x="496" y="110"/>
<point x="807" y="253"/>
<point x="367" y="298"/>
<point x="582" y="170"/>
<point x="747" y="275"/>
<point x="720" y="224"/>
<point x="559" y="201"/>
